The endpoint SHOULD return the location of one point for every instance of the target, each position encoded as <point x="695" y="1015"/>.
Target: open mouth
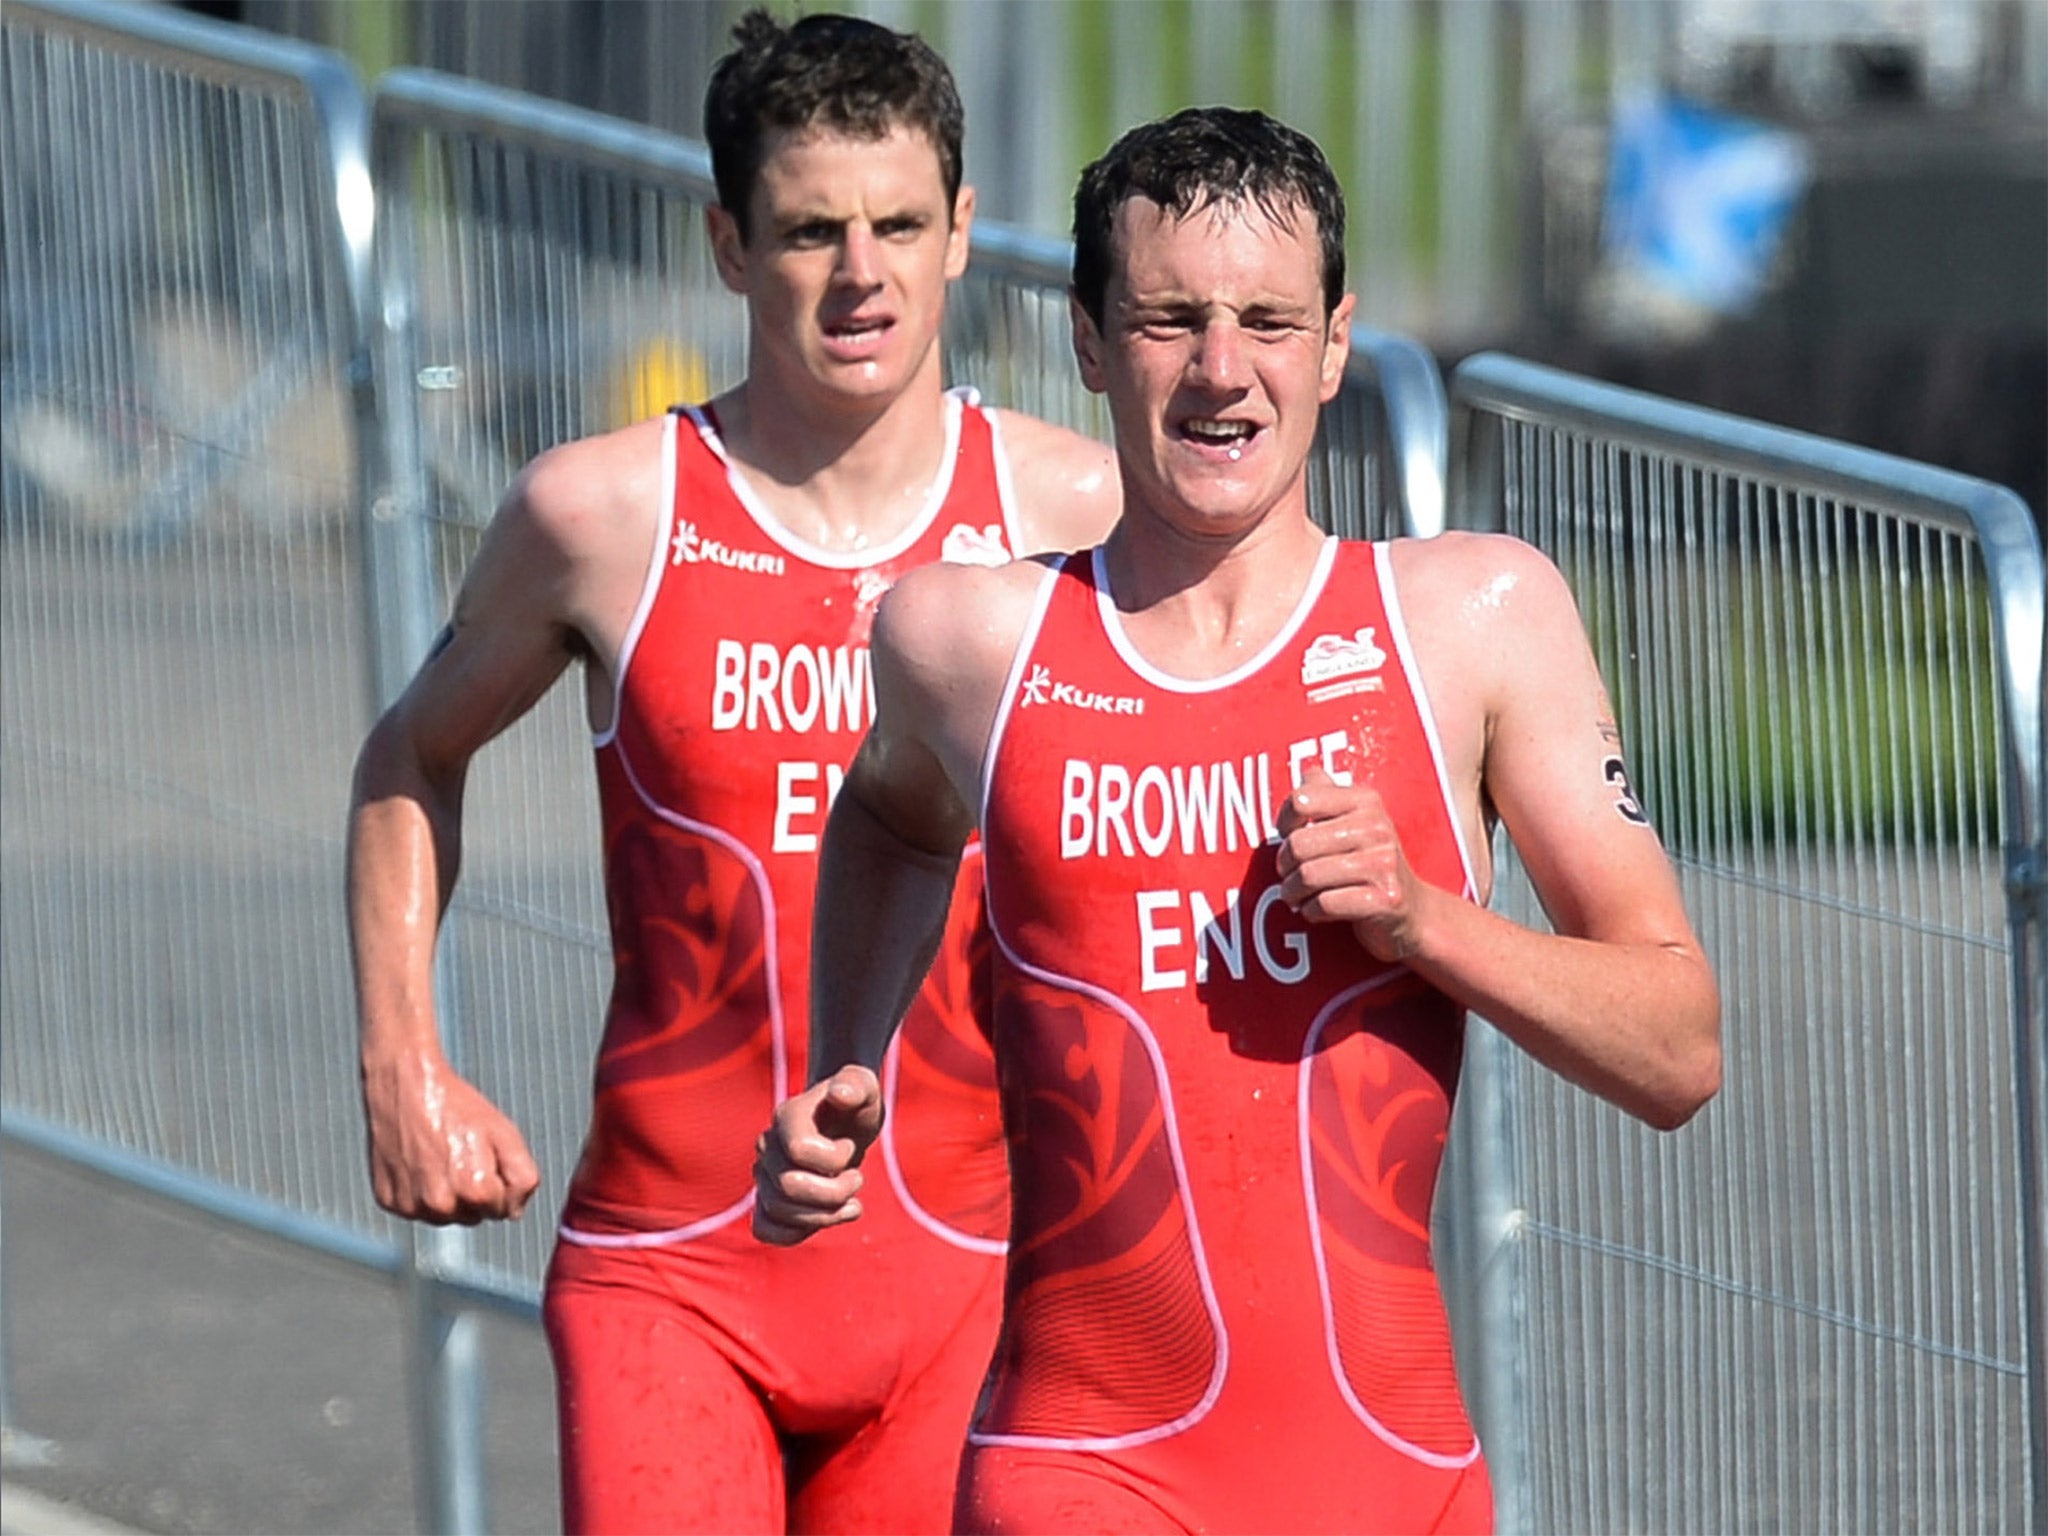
<point x="1225" y="436"/>
<point x="856" y="331"/>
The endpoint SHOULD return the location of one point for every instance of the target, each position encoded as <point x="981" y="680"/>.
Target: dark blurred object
<point x="1975" y="403"/>
<point x="1818" y="58"/>
<point x="1908" y="311"/>
<point x="1911" y="221"/>
<point x="643" y="60"/>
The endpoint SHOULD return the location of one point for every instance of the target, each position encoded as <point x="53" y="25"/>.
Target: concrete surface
<point x="189" y="1378"/>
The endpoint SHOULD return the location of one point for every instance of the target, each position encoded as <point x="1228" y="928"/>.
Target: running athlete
<point x="1235" y="782"/>
<point x="716" y="572"/>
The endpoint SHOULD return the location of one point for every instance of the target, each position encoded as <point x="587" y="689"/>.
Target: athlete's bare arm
<point x="1068" y="490"/>
<point x="553" y="580"/>
<point x="1620" y="998"/>
<point x="941" y="651"/>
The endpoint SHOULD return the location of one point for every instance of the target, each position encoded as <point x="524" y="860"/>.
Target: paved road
<point x="195" y="1379"/>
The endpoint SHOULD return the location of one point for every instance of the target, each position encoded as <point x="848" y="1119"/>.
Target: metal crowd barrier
<point x="1821" y="1305"/>
<point x="186" y="222"/>
<point x="218" y="550"/>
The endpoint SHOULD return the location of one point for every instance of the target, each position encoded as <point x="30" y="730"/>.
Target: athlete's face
<point x="851" y="244"/>
<point x="1216" y="355"/>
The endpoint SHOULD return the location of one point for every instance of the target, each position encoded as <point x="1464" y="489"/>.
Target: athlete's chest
<point x="746" y="682"/>
<point x="1133" y="819"/>
<point x="1102" y="760"/>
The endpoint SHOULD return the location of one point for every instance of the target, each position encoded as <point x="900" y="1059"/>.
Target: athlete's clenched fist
<point x="1341" y="862"/>
<point x="807" y="1163"/>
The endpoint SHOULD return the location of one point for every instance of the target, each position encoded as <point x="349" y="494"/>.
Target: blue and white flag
<point x="1698" y="200"/>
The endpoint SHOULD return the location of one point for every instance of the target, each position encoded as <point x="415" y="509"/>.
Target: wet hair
<point x="1200" y="156"/>
<point x="838" y="73"/>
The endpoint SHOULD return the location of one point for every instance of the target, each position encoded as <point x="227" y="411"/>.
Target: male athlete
<point x="1234" y="781"/>
<point x="716" y="572"/>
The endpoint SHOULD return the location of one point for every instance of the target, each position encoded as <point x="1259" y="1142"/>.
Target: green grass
<point x="1821" y="708"/>
<point x="1172" y="22"/>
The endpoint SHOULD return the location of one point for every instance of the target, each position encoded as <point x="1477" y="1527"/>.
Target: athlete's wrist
<point x="395" y="1051"/>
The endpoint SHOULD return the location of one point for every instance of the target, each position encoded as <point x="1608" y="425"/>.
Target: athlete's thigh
<point x="1007" y="1491"/>
<point x="896" y="1473"/>
<point x="659" y="1432"/>
<point x="890" y="1477"/>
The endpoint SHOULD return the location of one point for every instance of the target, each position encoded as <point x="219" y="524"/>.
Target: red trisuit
<point x="693" y="1359"/>
<point x="1225" y="1122"/>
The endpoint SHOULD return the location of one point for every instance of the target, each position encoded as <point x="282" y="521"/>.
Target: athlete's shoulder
<point x="1068" y="489"/>
<point x="958" y="620"/>
<point x="584" y="495"/>
<point x="1488" y="577"/>
<point x="1492" y="621"/>
<point x="572" y="537"/>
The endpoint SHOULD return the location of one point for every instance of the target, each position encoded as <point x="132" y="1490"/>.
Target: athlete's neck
<point x="847" y="475"/>
<point x="1198" y="608"/>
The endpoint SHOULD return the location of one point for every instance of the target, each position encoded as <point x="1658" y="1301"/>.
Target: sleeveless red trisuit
<point x="691" y="1357"/>
<point x="1225" y="1122"/>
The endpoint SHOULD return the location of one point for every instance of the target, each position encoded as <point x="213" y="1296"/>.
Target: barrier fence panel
<point x="181" y="662"/>
<point x="1819" y="1306"/>
<point x="543" y="275"/>
<point x="191" y="430"/>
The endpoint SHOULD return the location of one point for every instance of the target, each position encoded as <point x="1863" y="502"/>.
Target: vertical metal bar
<point x="1492" y="1251"/>
<point x="2030" y="992"/>
<point x="1411" y="417"/>
<point x="2021" y="628"/>
<point x="6" y="1397"/>
<point x="446" y="1371"/>
<point x="1483" y="1274"/>
<point x="1468" y="119"/>
<point x="2027" y="924"/>
<point x="401" y="591"/>
<point x="402" y="610"/>
<point x="1383" y="145"/>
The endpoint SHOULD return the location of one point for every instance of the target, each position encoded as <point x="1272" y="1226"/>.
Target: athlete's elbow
<point x="1693" y="1075"/>
<point x="1691" y="1088"/>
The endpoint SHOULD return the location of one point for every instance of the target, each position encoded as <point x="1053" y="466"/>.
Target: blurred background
<point x="1853" y="230"/>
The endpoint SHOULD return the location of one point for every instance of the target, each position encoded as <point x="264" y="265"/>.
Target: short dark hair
<point x="828" y="71"/>
<point x="1199" y="156"/>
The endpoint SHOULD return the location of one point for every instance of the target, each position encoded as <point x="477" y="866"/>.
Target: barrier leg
<point x="445" y="1382"/>
<point x="1481" y="1271"/>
